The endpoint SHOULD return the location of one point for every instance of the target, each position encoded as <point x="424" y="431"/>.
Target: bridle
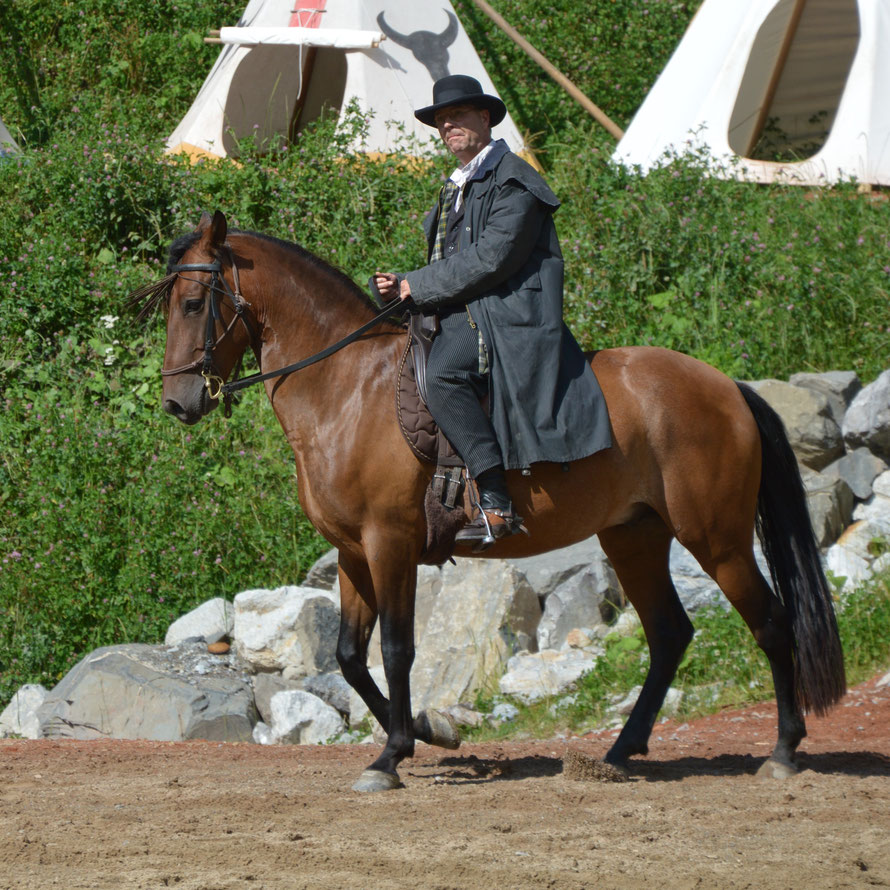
<point x="214" y="383"/>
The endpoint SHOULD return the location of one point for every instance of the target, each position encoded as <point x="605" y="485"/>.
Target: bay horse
<point x="695" y="456"/>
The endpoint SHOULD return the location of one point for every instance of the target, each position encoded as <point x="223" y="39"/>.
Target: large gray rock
<point x="859" y="469"/>
<point x="531" y="676"/>
<point x="867" y="421"/>
<point x="877" y="508"/>
<point x="830" y="504"/>
<point x="212" y="620"/>
<point x="19" y="717"/>
<point x="291" y="629"/>
<point x="485" y="612"/>
<point x="547" y="571"/>
<point x="323" y="573"/>
<point x="267" y="685"/>
<point x="137" y="691"/>
<point x="300" y="718"/>
<point x="814" y="434"/>
<point x="330" y="688"/>
<point x="839" y="387"/>
<point x="587" y="598"/>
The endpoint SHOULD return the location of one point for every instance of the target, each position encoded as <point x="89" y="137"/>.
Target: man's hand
<point x="388" y="286"/>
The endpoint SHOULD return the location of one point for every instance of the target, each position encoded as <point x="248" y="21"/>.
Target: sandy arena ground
<point x="205" y="816"/>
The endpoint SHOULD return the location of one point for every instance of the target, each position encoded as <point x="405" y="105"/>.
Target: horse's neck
<point x="303" y="309"/>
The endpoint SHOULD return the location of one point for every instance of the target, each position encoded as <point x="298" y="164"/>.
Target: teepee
<point x="7" y="143"/>
<point x="806" y="81"/>
<point x="287" y="60"/>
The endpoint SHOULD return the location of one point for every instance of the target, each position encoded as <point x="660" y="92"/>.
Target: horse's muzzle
<point x="190" y="413"/>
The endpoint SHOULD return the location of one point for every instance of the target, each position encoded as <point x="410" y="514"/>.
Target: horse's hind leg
<point x="640" y="553"/>
<point x="740" y="579"/>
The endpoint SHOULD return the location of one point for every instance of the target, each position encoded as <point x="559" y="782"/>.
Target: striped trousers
<point x="454" y="388"/>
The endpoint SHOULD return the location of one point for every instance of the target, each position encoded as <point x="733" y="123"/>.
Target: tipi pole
<point x="591" y="108"/>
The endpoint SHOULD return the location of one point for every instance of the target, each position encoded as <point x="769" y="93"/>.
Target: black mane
<point x="147" y="299"/>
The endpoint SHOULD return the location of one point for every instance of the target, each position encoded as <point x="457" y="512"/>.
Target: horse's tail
<point x="789" y="545"/>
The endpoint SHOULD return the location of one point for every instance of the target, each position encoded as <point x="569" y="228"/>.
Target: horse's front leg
<point x="358" y="614"/>
<point x="394" y="577"/>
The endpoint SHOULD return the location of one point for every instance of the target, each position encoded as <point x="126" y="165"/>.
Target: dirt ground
<point x="207" y="816"/>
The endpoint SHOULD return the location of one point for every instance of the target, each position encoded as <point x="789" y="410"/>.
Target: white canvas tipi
<point x="7" y="143"/>
<point x="806" y="79"/>
<point x="287" y="59"/>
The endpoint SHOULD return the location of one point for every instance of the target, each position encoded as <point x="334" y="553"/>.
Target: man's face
<point x="465" y="129"/>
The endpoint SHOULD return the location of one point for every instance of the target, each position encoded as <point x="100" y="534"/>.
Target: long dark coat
<point x="546" y="404"/>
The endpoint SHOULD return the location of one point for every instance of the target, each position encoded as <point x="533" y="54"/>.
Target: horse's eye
<point x="193" y="307"/>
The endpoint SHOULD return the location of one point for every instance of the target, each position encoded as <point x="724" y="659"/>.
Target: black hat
<point x="458" y="89"/>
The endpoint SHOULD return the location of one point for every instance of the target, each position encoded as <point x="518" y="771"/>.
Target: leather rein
<point x="219" y="288"/>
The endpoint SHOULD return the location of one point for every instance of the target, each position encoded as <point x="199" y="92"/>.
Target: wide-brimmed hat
<point x="459" y="89"/>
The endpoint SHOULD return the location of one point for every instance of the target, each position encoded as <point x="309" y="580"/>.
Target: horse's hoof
<point x="777" y="769"/>
<point x="443" y="729"/>
<point x="377" y="780"/>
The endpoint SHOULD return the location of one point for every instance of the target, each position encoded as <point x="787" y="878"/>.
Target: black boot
<point x="495" y="518"/>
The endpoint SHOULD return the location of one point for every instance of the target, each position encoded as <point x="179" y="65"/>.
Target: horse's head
<point x="203" y="340"/>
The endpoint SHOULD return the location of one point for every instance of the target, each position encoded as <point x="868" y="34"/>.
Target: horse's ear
<point x="218" y="229"/>
<point x="203" y="222"/>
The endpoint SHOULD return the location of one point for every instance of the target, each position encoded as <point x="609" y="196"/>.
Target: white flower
<point x="108" y="321"/>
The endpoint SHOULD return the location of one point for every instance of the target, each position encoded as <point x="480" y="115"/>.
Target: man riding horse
<point x="495" y="281"/>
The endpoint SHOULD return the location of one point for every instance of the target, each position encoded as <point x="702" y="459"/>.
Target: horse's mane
<point x="147" y="299"/>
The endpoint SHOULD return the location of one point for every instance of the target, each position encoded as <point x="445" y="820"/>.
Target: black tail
<point x="786" y="535"/>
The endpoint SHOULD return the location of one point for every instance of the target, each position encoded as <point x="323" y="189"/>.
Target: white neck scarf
<point x="462" y="175"/>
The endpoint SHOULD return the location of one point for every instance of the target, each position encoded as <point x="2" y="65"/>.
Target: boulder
<point x="163" y="693"/>
<point x="323" y="574"/>
<point x="264" y="687"/>
<point x="859" y="469"/>
<point x="485" y="612"/>
<point x="331" y="688"/>
<point x="19" y="717"/>
<point x="291" y="629"/>
<point x="300" y="718"/>
<point x="830" y="505"/>
<point x="877" y="508"/>
<point x="587" y="598"/>
<point x="547" y="571"/>
<point x="212" y="620"/>
<point x="877" y="511"/>
<point x="814" y="434"/>
<point x="839" y="387"/>
<point x="533" y="676"/>
<point x="867" y="421"/>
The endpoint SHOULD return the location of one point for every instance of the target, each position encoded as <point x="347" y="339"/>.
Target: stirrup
<point x="482" y="533"/>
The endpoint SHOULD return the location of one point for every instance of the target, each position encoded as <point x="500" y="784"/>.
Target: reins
<point x="215" y="384"/>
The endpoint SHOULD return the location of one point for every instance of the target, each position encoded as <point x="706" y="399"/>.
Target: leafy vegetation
<point x="113" y="518"/>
